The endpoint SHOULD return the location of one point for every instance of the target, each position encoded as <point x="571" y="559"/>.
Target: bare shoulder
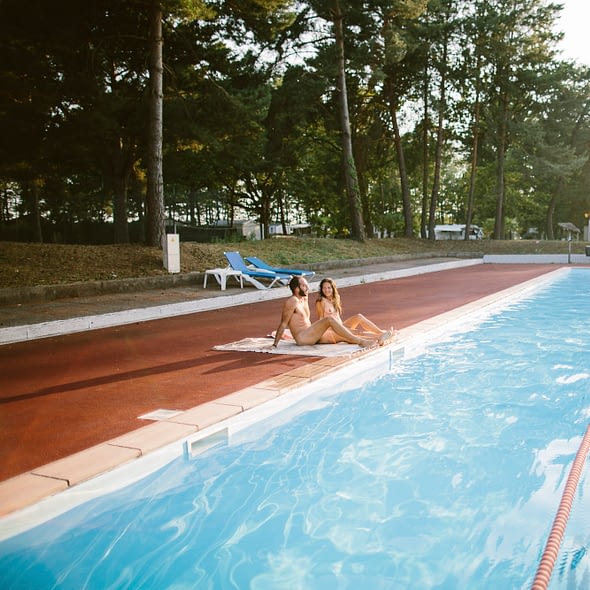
<point x="290" y="303"/>
<point x="291" y="300"/>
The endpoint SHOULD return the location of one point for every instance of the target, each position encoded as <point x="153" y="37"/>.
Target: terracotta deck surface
<point x="62" y="395"/>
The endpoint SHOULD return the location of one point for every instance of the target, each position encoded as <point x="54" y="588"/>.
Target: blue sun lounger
<point x="254" y="276"/>
<point x="260" y="264"/>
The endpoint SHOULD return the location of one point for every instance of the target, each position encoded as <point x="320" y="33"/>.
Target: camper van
<point x="456" y="232"/>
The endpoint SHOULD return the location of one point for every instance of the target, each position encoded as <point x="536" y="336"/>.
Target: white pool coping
<point x="577" y="259"/>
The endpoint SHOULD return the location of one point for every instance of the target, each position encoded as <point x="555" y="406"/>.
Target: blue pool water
<point x="443" y="472"/>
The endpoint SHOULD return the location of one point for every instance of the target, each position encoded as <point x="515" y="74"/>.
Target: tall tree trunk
<point x="474" y="155"/>
<point x="425" y="158"/>
<point x="120" y="211"/>
<point x="194" y="210"/>
<point x="36" y="211"/>
<point x="500" y="185"/>
<point x="120" y="182"/>
<point x="439" y="146"/>
<point x="283" y="218"/>
<point x="551" y="208"/>
<point x="360" y="154"/>
<point x="403" y="171"/>
<point x="265" y="210"/>
<point x="155" y="211"/>
<point x="350" y="176"/>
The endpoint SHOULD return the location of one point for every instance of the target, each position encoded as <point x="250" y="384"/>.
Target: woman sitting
<point x="329" y="304"/>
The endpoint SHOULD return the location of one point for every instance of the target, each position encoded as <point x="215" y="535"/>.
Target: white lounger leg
<point x="221" y="275"/>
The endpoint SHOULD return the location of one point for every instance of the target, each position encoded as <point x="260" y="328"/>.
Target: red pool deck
<point x="64" y="398"/>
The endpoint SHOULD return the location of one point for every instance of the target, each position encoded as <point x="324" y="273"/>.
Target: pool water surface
<point x="443" y="472"/>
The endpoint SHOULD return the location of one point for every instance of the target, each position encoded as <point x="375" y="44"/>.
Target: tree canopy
<point x="361" y="118"/>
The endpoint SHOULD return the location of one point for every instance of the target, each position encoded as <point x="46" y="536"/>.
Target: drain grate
<point x="158" y="415"/>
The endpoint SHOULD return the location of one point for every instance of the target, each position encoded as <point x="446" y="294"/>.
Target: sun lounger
<point x="260" y="264"/>
<point x="255" y="276"/>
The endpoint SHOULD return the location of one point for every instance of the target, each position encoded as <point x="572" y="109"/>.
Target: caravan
<point x="457" y="232"/>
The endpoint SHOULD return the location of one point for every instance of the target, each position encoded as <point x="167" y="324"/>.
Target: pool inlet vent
<point x="194" y="448"/>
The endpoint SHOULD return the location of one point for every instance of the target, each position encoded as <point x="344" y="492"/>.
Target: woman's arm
<point x="319" y="309"/>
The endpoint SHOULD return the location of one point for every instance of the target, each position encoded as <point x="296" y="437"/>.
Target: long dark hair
<point x="335" y="295"/>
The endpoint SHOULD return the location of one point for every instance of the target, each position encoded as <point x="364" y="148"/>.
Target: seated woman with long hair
<point x="329" y="304"/>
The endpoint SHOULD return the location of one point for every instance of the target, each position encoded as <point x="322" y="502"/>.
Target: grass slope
<point x="28" y="265"/>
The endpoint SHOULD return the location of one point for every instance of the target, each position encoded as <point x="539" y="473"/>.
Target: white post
<point x="171" y="247"/>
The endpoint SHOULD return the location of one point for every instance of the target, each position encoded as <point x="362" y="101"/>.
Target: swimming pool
<point x="442" y="469"/>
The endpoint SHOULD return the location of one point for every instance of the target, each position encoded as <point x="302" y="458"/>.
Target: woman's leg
<point x="353" y="323"/>
<point x="316" y="334"/>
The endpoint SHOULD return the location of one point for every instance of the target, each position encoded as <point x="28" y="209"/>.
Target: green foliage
<point x="252" y="119"/>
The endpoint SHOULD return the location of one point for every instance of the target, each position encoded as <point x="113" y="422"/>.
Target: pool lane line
<point x="545" y="569"/>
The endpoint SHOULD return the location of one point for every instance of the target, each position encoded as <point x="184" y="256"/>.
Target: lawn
<point x="27" y="265"/>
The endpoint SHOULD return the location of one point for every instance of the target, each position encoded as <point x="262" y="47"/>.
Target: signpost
<point x="569" y="227"/>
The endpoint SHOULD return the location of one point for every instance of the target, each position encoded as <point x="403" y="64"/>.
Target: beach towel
<point x="264" y="345"/>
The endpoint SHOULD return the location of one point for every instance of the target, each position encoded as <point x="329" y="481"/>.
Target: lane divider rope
<point x="545" y="569"/>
